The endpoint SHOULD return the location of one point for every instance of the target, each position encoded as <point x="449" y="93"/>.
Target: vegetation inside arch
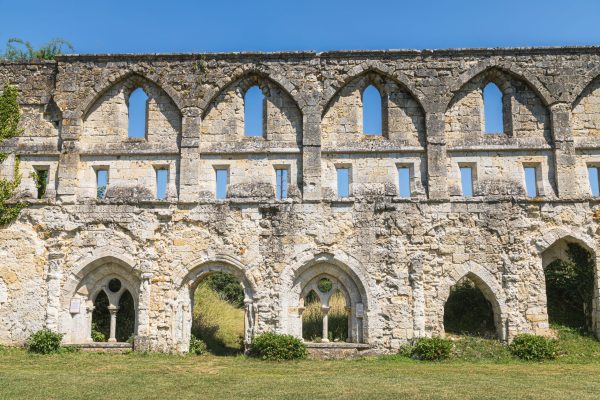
<point x="312" y="318"/>
<point x="125" y="317"/>
<point x="218" y="314"/>
<point x="570" y="289"/>
<point x="101" y="318"/>
<point x="468" y="312"/>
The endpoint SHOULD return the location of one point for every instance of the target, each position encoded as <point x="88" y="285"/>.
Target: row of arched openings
<point x="255" y="111"/>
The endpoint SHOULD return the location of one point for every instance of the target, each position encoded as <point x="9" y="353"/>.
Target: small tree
<point x="9" y="122"/>
<point x="22" y="50"/>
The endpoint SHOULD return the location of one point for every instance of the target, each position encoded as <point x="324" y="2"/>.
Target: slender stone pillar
<point x="113" y="323"/>
<point x="143" y="316"/>
<point x="53" y="279"/>
<point x="325" y="310"/>
<point x="564" y="151"/>
<point x="248" y="321"/>
<point x="437" y="175"/>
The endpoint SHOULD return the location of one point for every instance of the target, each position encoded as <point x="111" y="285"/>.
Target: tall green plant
<point x="9" y="122"/>
<point x="22" y="50"/>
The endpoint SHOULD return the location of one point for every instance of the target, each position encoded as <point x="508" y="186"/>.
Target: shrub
<point x="197" y="346"/>
<point x="273" y="346"/>
<point x="44" y="342"/>
<point x="432" y="349"/>
<point x="97" y="336"/>
<point x="533" y="348"/>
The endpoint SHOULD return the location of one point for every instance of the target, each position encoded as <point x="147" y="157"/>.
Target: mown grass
<point x="157" y="376"/>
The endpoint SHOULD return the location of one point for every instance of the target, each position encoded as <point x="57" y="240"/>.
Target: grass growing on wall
<point x="217" y="321"/>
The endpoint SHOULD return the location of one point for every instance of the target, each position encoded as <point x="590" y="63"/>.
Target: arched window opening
<point x="372" y="111"/>
<point x="468" y="312"/>
<point x="218" y="316"/>
<point x="101" y="318"/>
<point x="338" y="317"/>
<point x="569" y="286"/>
<point x="493" y="109"/>
<point x="325" y="317"/>
<point x="254" y="110"/>
<point x="138" y="114"/>
<point x="125" y="317"/>
<point x="312" y="318"/>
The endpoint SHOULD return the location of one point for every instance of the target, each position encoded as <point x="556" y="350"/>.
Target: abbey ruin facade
<point x="394" y="257"/>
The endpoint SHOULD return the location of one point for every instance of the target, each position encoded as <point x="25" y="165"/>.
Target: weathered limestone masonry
<point x="394" y="258"/>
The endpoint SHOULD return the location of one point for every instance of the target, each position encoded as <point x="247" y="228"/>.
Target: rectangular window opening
<point x="162" y="182"/>
<point x="531" y="186"/>
<point x="466" y="180"/>
<point x="222" y="180"/>
<point x="101" y="182"/>
<point x="281" y="175"/>
<point x="404" y="181"/>
<point x="343" y="181"/>
<point x="594" y="183"/>
<point x="41" y="177"/>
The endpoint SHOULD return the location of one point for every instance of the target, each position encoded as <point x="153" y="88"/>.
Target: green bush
<point x="273" y="346"/>
<point x="197" y="346"/>
<point x="97" y="336"/>
<point x="533" y="348"/>
<point x="432" y="349"/>
<point x="44" y="342"/>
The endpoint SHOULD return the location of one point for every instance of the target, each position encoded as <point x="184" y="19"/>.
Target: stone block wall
<point x="395" y="258"/>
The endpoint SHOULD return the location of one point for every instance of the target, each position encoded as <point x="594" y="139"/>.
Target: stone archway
<point x="107" y="275"/>
<point x="297" y="282"/>
<point x="558" y="248"/>
<point x="187" y="285"/>
<point x="489" y="287"/>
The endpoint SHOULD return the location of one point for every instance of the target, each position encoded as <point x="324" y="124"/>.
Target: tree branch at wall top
<point x="9" y="122"/>
<point x="21" y="50"/>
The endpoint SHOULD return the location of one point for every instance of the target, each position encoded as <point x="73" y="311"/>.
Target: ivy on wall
<point x="9" y="121"/>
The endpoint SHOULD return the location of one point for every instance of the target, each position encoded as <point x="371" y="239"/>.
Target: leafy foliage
<point x="97" y="336"/>
<point x="9" y="122"/>
<point x="22" y="50"/>
<point x="277" y="347"/>
<point x="197" y="346"/>
<point x="467" y="311"/>
<point x="227" y="286"/>
<point x="534" y="348"/>
<point x="44" y="342"/>
<point x="570" y="289"/>
<point x="432" y="349"/>
<point x="40" y="178"/>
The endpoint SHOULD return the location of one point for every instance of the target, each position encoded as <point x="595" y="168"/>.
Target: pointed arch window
<point x="372" y="111"/>
<point x="493" y="109"/>
<point x="138" y="114"/>
<point x="254" y="110"/>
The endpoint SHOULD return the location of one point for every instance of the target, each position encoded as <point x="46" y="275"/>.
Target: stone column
<point x="325" y="310"/>
<point x="53" y="279"/>
<point x="68" y="162"/>
<point x="311" y="154"/>
<point x="564" y="151"/>
<point x="298" y="333"/>
<point x="143" y="317"/>
<point x="113" y="323"/>
<point x="190" y="157"/>
<point x="437" y="179"/>
<point x="89" y="310"/>
<point x="416" y="281"/>
<point x="248" y="321"/>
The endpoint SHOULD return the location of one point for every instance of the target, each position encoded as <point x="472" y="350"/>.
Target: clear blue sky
<point x="108" y="26"/>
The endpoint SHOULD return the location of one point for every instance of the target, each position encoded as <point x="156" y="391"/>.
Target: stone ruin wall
<point x="395" y="257"/>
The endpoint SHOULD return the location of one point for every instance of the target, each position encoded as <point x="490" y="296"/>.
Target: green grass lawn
<point x="156" y="376"/>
